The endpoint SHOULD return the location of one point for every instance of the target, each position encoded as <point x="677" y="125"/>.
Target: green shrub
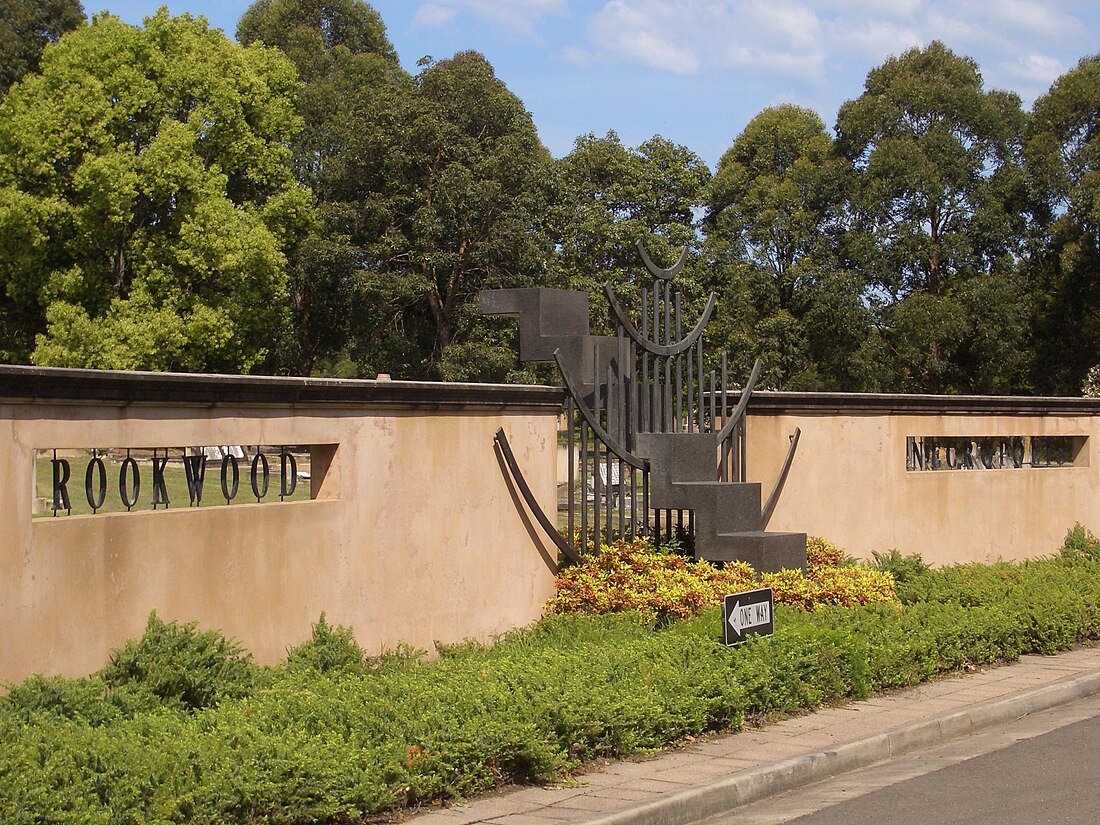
<point x="75" y="699"/>
<point x="329" y="650"/>
<point x="1080" y="543"/>
<point x="902" y="568"/>
<point x="324" y="740"/>
<point x="177" y="664"/>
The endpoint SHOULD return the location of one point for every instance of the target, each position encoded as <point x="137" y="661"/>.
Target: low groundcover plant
<point x="182" y="726"/>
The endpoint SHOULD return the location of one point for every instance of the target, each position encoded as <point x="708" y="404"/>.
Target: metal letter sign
<point x="747" y="614"/>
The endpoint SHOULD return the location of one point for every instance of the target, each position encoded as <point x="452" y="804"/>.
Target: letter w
<point x="194" y="467"/>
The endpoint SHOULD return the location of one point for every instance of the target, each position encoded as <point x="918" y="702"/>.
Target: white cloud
<point x="517" y="15"/>
<point x="688" y="36"/>
<point x="431" y="15"/>
<point x="643" y="31"/>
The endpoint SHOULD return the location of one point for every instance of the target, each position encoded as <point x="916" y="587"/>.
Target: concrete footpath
<point x="719" y="773"/>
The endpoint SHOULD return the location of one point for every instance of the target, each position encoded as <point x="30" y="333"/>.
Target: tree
<point x="940" y="202"/>
<point x="430" y="189"/>
<point x="612" y="197"/>
<point x="146" y="200"/>
<point x="773" y="218"/>
<point x="459" y="207"/>
<point x="352" y="84"/>
<point x="1063" y="164"/>
<point x="26" y="28"/>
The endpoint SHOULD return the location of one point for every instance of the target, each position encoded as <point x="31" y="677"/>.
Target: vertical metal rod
<point x="632" y="394"/>
<point x="656" y="336"/>
<point x="668" y="313"/>
<point x="743" y="447"/>
<point x="584" y="488"/>
<point x="725" y="400"/>
<point x="702" y="385"/>
<point x="655" y="420"/>
<point x="570" y="411"/>
<point x="598" y="481"/>
<point x="691" y="390"/>
<point x="713" y="401"/>
<point x="666" y="411"/>
<point x="679" y="372"/>
<point x="608" y="478"/>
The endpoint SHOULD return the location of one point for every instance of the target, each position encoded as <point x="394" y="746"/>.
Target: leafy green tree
<point x="940" y="202"/>
<point x="774" y="213"/>
<point x="352" y="84"/>
<point x="430" y="189"/>
<point x="1063" y="164"/>
<point x="460" y="208"/>
<point x="26" y="28"/>
<point x="611" y="197"/>
<point x="146" y="200"/>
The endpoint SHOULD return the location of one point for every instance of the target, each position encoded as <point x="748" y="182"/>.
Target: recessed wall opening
<point x="101" y="480"/>
<point x="1016" y="452"/>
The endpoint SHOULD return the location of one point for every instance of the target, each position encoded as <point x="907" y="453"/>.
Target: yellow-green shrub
<point x="630" y="575"/>
<point x="844" y="586"/>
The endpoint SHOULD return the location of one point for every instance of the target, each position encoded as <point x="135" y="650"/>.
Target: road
<point x="1042" y="768"/>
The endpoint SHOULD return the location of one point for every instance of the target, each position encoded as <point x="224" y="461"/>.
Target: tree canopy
<point x="301" y="203"/>
<point x="146" y="199"/>
<point x="26" y="28"/>
<point x="774" y="214"/>
<point x="939" y="220"/>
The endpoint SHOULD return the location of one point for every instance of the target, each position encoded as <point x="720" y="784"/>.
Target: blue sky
<point x="697" y="71"/>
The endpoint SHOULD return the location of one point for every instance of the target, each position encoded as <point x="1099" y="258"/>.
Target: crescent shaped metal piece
<point x="660" y="349"/>
<point x="773" y="499"/>
<point x="601" y="433"/>
<point x="658" y="272"/>
<point x="525" y="491"/>
<point x="739" y="410"/>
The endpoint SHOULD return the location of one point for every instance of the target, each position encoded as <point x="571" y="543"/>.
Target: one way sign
<point x="747" y="614"/>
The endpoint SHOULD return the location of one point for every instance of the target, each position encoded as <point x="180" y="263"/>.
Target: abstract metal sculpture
<point x="658" y="449"/>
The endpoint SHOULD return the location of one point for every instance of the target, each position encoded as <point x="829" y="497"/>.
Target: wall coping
<point x="765" y="402"/>
<point x="37" y="385"/>
<point x="29" y="385"/>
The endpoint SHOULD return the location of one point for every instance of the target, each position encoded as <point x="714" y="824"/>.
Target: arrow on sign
<point x="749" y="616"/>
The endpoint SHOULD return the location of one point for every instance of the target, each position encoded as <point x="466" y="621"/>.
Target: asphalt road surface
<point x="1042" y="768"/>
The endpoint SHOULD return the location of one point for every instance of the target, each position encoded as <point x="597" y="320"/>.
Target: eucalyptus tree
<point x="352" y="81"/>
<point x="939" y="220"/>
<point x="1063" y="164"/>
<point x="430" y="187"/>
<point x="147" y="199"/>
<point x="462" y="193"/>
<point x="774" y="215"/>
<point x="612" y="197"/>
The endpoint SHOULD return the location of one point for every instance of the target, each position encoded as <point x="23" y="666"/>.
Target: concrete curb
<point x="758" y="783"/>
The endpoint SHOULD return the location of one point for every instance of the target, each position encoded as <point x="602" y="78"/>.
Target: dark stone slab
<point x="766" y="552"/>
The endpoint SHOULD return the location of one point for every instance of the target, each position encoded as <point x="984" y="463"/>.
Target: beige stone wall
<point x="849" y="483"/>
<point x="413" y="536"/>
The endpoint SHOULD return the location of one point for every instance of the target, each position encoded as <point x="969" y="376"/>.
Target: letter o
<point x="260" y="484"/>
<point x="131" y="466"/>
<point x="98" y="496"/>
<point x="230" y="492"/>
